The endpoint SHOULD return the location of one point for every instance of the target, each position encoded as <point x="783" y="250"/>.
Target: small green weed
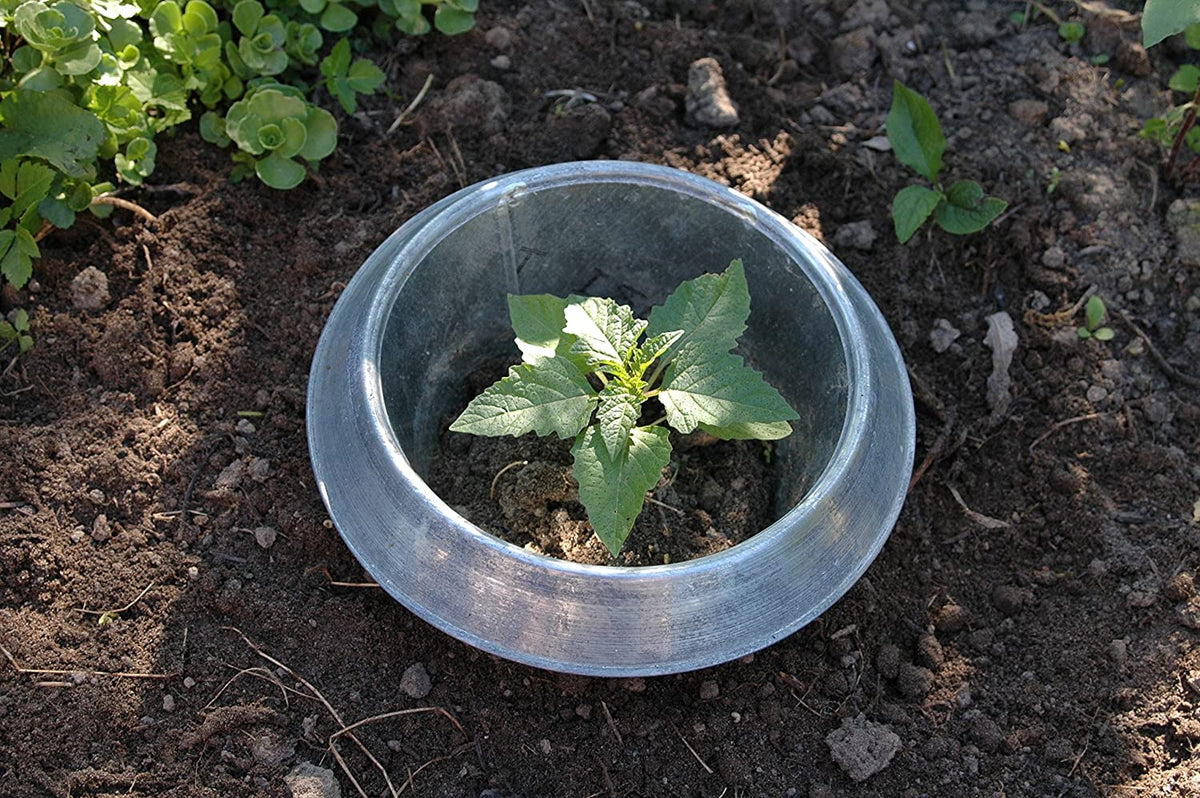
<point x="1071" y="32"/>
<point x="585" y="376"/>
<point x="916" y="137"/>
<point x="1176" y="128"/>
<point x="1094" y="313"/>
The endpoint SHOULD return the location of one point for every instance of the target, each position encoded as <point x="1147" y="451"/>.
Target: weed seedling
<point x="1176" y="128"/>
<point x="1094" y="313"/>
<point x="588" y="372"/>
<point x="916" y="137"/>
<point x="1071" y="32"/>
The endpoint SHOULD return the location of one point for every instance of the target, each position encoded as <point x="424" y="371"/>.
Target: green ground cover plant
<point x="88" y="88"/>
<point x="1176" y="129"/>
<point x="917" y="140"/>
<point x="590" y="368"/>
<point x="1093" y="317"/>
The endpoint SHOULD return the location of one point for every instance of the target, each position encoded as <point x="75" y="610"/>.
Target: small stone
<point x="1180" y="587"/>
<point x="1065" y="129"/>
<point x="544" y="744"/>
<point x="258" y="469"/>
<point x="709" y="690"/>
<point x="89" y="289"/>
<point x="501" y="62"/>
<point x="913" y="681"/>
<point x="953" y="618"/>
<point x="499" y="38"/>
<point x="942" y="335"/>
<point x="1008" y="599"/>
<point x="584" y="711"/>
<point x="861" y="747"/>
<point x="887" y="661"/>
<point x="193" y="572"/>
<point x="395" y="746"/>
<point x="1054" y="258"/>
<point x="856" y="235"/>
<point x="101" y="529"/>
<point x="265" y="536"/>
<point x="415" y="681"/>
<point x="634" y="684"/>
<point x="1096" y="393"/>
<point x="1183" y="220"/>
<point x="1031" y="112"/>
<point x="986" y="734"/>
<point x="306" y="780"/>
<point x="852" y="53"/>
<point x="1118" y="652"/>
<point x="189" y="682"/>
<point x="245" y="426"/>
<point x="168" y="703"/>
<point x="929" y="653"/>
<point x="1131" y="57"/>
<point x="707" y="101"/>
<point x="1189" y="613"/>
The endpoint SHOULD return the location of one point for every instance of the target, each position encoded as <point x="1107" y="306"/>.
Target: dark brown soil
<point x="714" y="495"/>
<point x="1043" y="644"/>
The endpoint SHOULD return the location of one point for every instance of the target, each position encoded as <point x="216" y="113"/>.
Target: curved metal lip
<point x="827" y="277"/>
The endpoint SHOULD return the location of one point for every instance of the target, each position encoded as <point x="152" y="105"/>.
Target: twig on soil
<point x="87" y="672"/>
<point x="128" y="606"/>
<point x="108" y="199"/>
<point x="1064" y="423"/>
<point x="343" y="729"/>
<point x="269" y="677"/>
<point x="329" y="580"/>
<point x="611" y="725"/>
<point x="460" y="165"/>
<point x="1053" y="17"/>
<point x="985" y="521"/>
<point x="943" y="446"/>
<point x="501" y="472"/>
<point x="1033" y="318"/>
<point x="412" y="106"/>
<point x="688" y="746"/>
<point x="1171" y="371"/>
<point x="657" y="503"/>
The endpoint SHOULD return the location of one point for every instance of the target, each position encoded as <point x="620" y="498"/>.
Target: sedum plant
<point x="87" y="86"/>
<point x="589" y="367"/>
<point x="916" y="138"/>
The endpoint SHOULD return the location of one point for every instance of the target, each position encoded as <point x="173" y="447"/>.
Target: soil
<point x="713" y="494"/>
<point x="1028" y="630"/>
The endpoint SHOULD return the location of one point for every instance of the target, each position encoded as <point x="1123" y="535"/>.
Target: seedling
<point x="1071" y="32"/>
<point x="1160" y="19"/>
<point x="916" y="137"/>
<point x="587" y="374"/>
<point x="16" y="332"/>
<point x="1094" y="313"/>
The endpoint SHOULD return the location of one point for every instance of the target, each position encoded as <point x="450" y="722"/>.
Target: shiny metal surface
<point x="428" y="306"/>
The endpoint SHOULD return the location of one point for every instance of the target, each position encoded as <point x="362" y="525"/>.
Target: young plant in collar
<point x="589" y="367"/>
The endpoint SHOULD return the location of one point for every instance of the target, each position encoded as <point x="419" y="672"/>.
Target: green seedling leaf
<point x="1071" y="32"/>
<point x="914" y="132"/>
<point x="711" y="309"/>
<point x="613" y="488"/>
<point x="1163" y="18"/>
<point x="338" y="19"/>
<point x="1084" y="333"/>
<point x="551" y="397"/>
<point x="537" y="320"/>
<point x="911" y="206"/>
<point x="702" y="387"/>
<point x="49" y="126"/>
<point x="1104" y="334"/>
<point x="651" y="350"/>
<point x="750" y="431"/>
<point x="1094" y="312"/>
<point x="451" y="21"/>
<point x="17" y="251"/>
<point x="965" y="209"/>
<point x="1191" y="36"/>
<point x="617" y="415"/>
<point x="605" y="332"/>
<point x="279" y="172"/>
<point x="1185" y="79"/>
<point x="246" y="16"/>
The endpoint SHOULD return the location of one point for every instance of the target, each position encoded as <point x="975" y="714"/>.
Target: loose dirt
<point x="1043" y="644"/>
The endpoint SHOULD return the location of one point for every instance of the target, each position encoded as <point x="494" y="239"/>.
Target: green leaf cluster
<point x="1093" y="315"/>
<point x="916" y="138"/>
<point x="1173" y="126"/>
<point x="87" y="86"/>
<point x="589" y="367"/>
<point x="15" y="330"/>
<point x="1163" y="18"/>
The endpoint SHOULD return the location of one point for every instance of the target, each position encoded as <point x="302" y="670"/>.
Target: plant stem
<point x="658" y="370"/>
<point x="1189" y="119"/>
